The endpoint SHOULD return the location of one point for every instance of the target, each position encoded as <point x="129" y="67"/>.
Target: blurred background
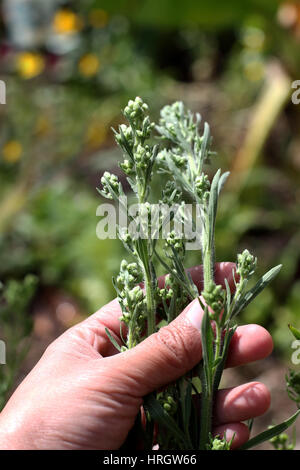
<point x="69" y="68"/>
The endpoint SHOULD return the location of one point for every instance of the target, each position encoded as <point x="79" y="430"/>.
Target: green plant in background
<point x="15" y="328"/>
<point x="282" y="441"/>
<point x="180" y="158"/>
<point x="293" y="377"/>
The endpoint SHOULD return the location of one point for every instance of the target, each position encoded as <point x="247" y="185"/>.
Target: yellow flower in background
<point x="98" y="18"/>
<point x="66" y="22"/>
<point x="89" y="65"/>
<point x="96" y="135"/>
<point x="12" y="151"/>
<point x="42" y="126"/>
<point x="30" y="64"/>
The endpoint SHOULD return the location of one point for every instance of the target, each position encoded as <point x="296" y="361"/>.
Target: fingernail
<point x="195" y="314"/>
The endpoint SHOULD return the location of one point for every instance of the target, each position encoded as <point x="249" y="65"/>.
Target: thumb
<point x="166" y="355"/>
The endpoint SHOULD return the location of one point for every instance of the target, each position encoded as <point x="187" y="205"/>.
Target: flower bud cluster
<point x="130" y="275"/>
<point x="174" y="241"/>
<point x="178" y="123"/>
<point x="173" y="291"/>
<point x="138" y="157"/>
<point x="128" y="167"/>
<point x="145" y="132"/>
<point x="170" y="115"/>
<point x="246" y="264"/>
<point x="142" y="157"/>
<point x="168" y="403"/>
<point x="171" y="194"/>
<point x="135" y="111"/>
<point x="202" y="186"/>
<point x="125" y="237"/>
<point x="174" y="155"/>
<point x="125" y="136"/>
<point x="219" y="444"/>
<point x="167" y="291"/>
<point x="110" y="185"/>
<point x="130" y="295"/>
<point x="214" y="297"/>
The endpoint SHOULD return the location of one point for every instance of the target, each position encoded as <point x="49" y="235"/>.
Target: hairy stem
<point x="206" y="413"/>
<point x="151" y="306"/>
<point x="208" y="255"/>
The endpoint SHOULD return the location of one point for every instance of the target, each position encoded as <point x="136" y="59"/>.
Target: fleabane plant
<point x="180" y="158"/>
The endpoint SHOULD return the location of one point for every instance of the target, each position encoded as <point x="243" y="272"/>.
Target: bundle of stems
<point x="177" y="151"/>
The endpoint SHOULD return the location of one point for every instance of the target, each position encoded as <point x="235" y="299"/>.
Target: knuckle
<point x="178" y="345"/>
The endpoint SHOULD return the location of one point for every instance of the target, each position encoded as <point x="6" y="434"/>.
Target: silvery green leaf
<point x="103" y="194"/>
<point x="113" y="341"/>
<point x="124" y="143"/>
<point x="252" y="293"/>
<point x="228" y="297"/>
<point x="222" y="181"/>
<point x="207" y="345"/>
<point x="204" y="145"/>
<point x="212" y="206"/>
<point x="185" y="389"/>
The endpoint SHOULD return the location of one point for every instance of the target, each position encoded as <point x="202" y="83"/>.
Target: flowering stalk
<point x="180" y="158"/>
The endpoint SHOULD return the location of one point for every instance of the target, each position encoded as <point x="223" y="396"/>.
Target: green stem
<point x="130" y="339"/>
<point x="206" y="413"/>
<point x="208" y="255"/>
<point x="217" y="343"/>
<point x="148" y="271"/>
<point x="151" y="307"/>
<point x="207" y="397"/>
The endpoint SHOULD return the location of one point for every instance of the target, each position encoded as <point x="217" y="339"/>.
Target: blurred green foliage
<point x="15" y="329"/>
<point x="207" y="13"/>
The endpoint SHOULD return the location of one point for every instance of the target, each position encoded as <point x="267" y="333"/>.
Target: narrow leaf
<point x="228" y="298"/>
<point x="252" y="293"/>
<point x="212" y="206"/>
<point x="295" y="332"/>
<point x="159" y="415"/>
<point x="220" y="367"/>
<point x="112" y="339"/>
<point x="269" y="433"/>
<point x="204" y="144"/>
<point x="186" y="404"/>
<point x="207" y="346"/>
<point x="222" y="181"/>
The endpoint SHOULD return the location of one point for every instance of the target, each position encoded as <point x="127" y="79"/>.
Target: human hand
<point x="82" y="394"/>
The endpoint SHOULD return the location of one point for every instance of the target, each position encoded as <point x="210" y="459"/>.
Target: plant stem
<point x="207" y="398"/>
<point x="207" y="382"/>
<point x="206" y="413"/>
<point x="217" y="342"/>
<point x="208" y="255"/>
<point x="151" y="307"/>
